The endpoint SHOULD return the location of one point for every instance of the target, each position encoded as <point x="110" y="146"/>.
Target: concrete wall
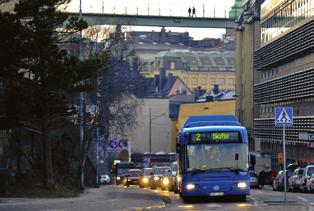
<point x="161" y="127"/>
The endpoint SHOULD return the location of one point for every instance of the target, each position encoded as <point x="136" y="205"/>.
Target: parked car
<point x="277" y="182"/>
<point x="310" y="184"/>
<point x="145" y="177"/>
<point x="104" y="179"/>
<point x="294" y="181"/>
<point x="253" y="180"/>
<point x="157" y="176"/>
<point x="307" y="173"/>
<point x="132" y="177"/>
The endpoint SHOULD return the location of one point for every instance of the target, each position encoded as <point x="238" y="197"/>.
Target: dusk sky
<point x="164" y="7"/>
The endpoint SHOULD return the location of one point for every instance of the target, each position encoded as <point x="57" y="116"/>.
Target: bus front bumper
<point x="215" y="189"/>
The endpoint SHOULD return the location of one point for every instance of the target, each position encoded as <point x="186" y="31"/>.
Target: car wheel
<point x="186" y="199"/>
<point x="241" y="198"/>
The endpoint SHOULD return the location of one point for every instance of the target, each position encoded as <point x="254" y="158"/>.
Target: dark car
<point x="175" y="177"/>
<point x="253" y="180"/>
<point x="294" y="181"/>
<point x="132" y="177"/>
<point x="157" y="176"/>
<point x="145" y="177"/>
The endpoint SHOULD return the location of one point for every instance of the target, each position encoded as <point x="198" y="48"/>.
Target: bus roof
<point x="210" y="120"/>
<point x="213" y="128"/>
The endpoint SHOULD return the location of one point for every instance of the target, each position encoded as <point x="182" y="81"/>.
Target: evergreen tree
<point x="36" y="73"/>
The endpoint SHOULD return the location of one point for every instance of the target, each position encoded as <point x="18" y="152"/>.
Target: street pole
<point x="284" y="163"/>
<point x="81" y="108"/>
<point x="150" y="134"/>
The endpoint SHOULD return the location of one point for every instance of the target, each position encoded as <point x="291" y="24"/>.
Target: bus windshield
<point x="216" y="157"/>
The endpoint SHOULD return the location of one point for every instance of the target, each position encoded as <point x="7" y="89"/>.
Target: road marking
<point x="254" y="200"/>
<point x="303" y="199"/>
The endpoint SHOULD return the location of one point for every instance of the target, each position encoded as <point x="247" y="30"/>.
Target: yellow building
<point x="189" y="109"/>
<point x="195" y="68"/>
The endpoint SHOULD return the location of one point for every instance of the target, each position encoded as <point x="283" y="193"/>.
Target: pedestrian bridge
<point x="161" y="21"/>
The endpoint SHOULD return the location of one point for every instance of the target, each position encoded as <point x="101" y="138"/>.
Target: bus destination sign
<point x="215" y="137"/>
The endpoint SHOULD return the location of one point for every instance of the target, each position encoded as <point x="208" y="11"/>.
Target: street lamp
<point x="150" y="130"/>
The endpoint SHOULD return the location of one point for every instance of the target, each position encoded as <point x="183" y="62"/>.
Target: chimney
<point x="162" y="77"/>
<point x="156" y="82"/>
<point x="216" y="89"/>
<point x="170" y="80"/>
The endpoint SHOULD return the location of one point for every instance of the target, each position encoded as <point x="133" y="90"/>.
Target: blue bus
<point x="213" y="158"/>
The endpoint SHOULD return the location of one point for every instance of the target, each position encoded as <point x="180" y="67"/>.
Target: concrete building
<point x="160" y="127"/>
<point x="284" y="78"/>
<point x="247" y="41"/>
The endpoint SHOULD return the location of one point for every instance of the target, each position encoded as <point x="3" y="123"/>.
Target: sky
<point x="206" y="8"/>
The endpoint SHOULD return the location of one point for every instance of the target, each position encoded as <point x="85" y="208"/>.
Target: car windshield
<point x="134" y="173"/>
<point x="206" y="157"/>
<point x="122" y="172"/>
<point x="147" y="172"/>
<point x="160" y="170"/>
<point x="253" y="174"/>
<point x="310" y="171"/>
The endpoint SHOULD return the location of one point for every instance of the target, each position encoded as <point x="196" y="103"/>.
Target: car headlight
<point x="145" y="180"/>
<point x="118" y="178"/>
<point x="242" y="185"/>
<point x="165" y="181"/>
<point x="156" y="178"/>
<point x="190" y="186"/>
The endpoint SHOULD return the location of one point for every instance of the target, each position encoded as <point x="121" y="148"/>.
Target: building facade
<point x="285" y="75"/>
<point x="196" y="69"/>
<point x="247" y="41"/>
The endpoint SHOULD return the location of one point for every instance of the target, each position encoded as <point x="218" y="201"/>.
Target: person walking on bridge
<point x="193" y="12"/>
<point x="189" y="10"/>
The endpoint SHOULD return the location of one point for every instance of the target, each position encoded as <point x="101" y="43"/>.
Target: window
<point x="172" y="65"/>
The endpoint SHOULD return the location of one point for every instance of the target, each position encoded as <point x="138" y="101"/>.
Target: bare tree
<point x="116" y="84"/>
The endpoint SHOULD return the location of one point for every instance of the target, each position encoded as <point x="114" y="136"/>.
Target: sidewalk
<point x="108" y="197"/>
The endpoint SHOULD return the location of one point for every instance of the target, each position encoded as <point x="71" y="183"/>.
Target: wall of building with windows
<point x="280" y="17"/>
<point x="285" y="69"/>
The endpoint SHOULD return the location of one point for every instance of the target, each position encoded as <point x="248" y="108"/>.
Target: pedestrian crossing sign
<point x="283" y="116"/>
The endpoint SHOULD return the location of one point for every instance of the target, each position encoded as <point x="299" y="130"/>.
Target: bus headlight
<point x="165" y="181"/>
<point x="242" y="185"/>
<point x="145" y="180"/>
<point x="190" y="186"/>
<point x="156" y="178"/>
<point x="118" y="178"/>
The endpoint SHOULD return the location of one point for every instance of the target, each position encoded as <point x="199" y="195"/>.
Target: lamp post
<point x="150" y="130"/>
<point x="81" y="107"/>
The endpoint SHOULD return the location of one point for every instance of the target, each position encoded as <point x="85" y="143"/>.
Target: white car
<point x="104" y="179"/>
<point x="310" y="184"/>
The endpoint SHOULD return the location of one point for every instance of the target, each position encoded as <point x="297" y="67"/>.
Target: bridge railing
<point x="203" y="11"/>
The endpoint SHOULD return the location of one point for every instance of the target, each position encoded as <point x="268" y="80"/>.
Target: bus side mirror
<point x="236" y="156"/>
<point x="177" y="147"/>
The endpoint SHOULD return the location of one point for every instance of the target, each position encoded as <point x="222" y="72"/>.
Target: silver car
<point x="294" y="181"/>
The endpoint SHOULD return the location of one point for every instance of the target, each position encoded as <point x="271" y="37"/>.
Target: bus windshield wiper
<point x="228" y="168"/>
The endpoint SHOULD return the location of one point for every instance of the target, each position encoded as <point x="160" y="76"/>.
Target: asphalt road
<point x="260" y="199"/>
<point x="118" y="198"/>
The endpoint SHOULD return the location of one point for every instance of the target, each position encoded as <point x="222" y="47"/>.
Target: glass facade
<point x="279" y="16"/>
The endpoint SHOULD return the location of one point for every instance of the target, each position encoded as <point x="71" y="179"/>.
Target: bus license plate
<point x="216" y="194"/>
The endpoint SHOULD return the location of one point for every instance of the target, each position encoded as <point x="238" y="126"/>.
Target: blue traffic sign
<point x="284" y="116"/>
